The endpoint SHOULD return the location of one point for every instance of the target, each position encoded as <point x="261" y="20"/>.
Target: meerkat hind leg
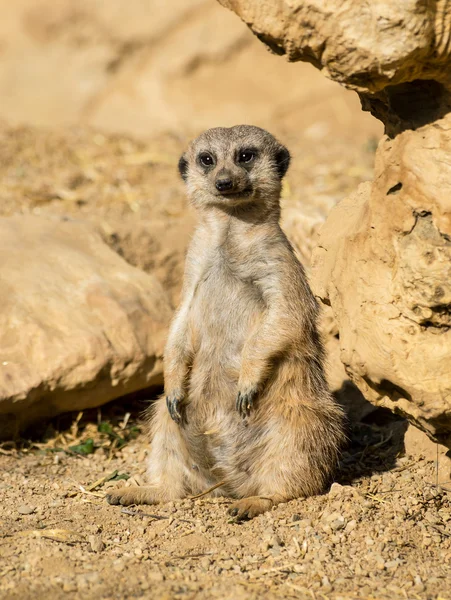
<point x="252" y="506"/>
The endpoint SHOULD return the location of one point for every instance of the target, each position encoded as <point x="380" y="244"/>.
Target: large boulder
<point x="155" y="246"/>
<point x="383" y="261"/>
<point x="78" y="325"/>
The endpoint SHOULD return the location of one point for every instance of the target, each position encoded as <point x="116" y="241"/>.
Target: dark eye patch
<point x="206" y="159"/>
<point x="246" y="156"/>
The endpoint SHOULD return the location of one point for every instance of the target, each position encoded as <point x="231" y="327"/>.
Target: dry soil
<point x="383" y="531"/>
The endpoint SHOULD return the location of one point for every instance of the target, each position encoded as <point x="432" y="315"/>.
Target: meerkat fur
<point x="246" y="401"/>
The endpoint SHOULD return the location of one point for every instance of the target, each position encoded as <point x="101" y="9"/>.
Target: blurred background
<point x="98" y="100"/>
<point x="149" y="66"/>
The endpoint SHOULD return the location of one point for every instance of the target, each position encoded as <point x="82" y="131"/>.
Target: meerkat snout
<point x="224" y="183"/>
<point x="229" y="167"/>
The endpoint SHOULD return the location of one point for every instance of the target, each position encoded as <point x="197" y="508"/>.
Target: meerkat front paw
<point x="174" y="403"/>
<point x="245" y="401"/>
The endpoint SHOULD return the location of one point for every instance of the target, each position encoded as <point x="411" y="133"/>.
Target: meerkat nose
<point x="223" y="185"/>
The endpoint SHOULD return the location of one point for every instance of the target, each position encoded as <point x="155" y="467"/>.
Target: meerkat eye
<point x="206" y="159"/>
<point x="246" y="156"/>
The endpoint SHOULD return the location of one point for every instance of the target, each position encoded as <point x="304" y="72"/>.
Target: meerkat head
<point x="236" y="166"/>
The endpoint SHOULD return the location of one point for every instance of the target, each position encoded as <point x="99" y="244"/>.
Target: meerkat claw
<point x="173" y="404"/>
<point x="245" y="403"/>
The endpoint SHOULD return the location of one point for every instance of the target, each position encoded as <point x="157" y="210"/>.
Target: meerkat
<point x="246" y="402"/>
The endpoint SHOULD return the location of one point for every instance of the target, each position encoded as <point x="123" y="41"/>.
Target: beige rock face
<point x="383" y="260"/>
<point x="78" y="325"/>
<point x="396" y="55"/>
<point x="366" y="47"/>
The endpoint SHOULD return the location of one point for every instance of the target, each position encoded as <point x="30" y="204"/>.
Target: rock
<point x="339" y="522"/>
<point x="270" y="539"/>
<point x="395" y="55"/>
<point x="383" y="263"/>
<point x="78" y="327"/>
<point x="335" y="520"/>
<point x="96" y="543"/>
<point x="338" y="490"/>
<point x="24" y="509"/>
<point x="350" y="526"/>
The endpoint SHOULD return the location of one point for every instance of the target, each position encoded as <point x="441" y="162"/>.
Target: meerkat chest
<point x="226" y="302"/>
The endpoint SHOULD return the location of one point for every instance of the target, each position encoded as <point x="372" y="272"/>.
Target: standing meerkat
<point x="246" y="400"/>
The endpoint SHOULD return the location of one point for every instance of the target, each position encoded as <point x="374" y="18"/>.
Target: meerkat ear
<point x="282" y="161"/>
<point x="183" y="167"/>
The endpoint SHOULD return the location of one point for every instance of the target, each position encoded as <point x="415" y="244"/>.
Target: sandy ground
<point x="383" y="531"/>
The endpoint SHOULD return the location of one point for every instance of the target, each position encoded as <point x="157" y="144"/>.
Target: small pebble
<point x="336" y="521"/>
<point x="25" y="509"/>
<point x="96" y="543"/>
